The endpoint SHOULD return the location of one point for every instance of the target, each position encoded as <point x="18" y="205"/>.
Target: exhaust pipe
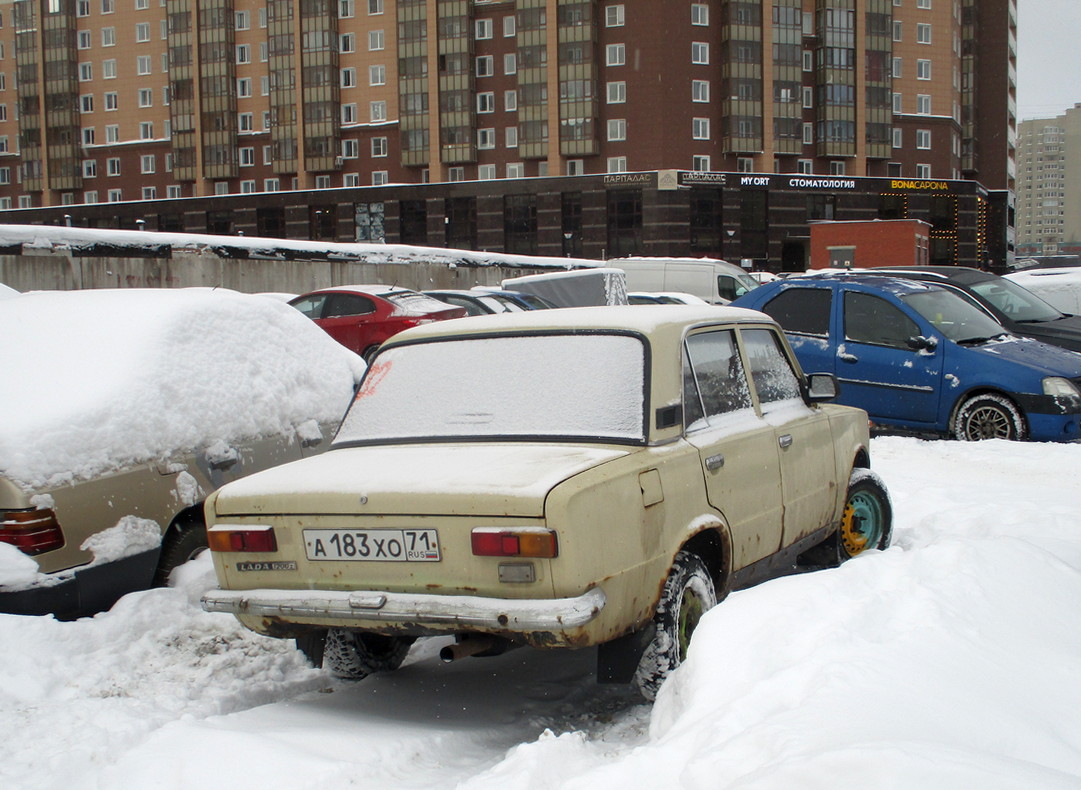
<point x="471" y="646"/>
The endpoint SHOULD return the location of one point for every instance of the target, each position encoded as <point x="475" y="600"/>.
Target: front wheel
<point x="688" y="594"/>
<point x="867" y="522"/>
<point x="988" y="417"/>
<point x="353" y="655"/>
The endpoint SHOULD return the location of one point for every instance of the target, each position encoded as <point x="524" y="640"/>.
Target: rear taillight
<point x="522" y="542"/>
<point x="32" y="531"/>
<point x="235" y="538"/>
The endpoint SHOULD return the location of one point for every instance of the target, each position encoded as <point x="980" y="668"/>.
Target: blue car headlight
<point x="1064" y="392"/>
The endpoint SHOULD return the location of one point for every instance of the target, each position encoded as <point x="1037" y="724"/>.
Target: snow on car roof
<point x="636" y="318"/>
<point x="97" y="379"/>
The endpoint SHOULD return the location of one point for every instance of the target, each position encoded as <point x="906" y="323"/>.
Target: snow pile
<point x="100" y="379"/>
<point x="1060" y="287"/>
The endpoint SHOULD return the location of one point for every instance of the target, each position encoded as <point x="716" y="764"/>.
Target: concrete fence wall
<point x="59" y="271"/>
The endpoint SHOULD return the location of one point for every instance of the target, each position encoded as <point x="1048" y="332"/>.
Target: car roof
<point x="368" y="289"/>
<point x="961" y="275"/>
<point x="873" y="279"/>
<point x="644" y="319"/>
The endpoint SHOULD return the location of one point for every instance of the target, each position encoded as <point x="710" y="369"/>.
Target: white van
<point x="716" y="281"/>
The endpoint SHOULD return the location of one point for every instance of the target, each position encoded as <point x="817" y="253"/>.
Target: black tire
<point x="312" y="645"/>
<point x="688" y="593"/>
<point x="353" y="655"/>
<point x="368" y="353"/>
<point x="184" y="542"/>
<point x="988" y="416"/>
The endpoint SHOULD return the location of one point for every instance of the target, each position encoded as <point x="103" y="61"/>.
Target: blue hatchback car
<point x="919" y="357"/>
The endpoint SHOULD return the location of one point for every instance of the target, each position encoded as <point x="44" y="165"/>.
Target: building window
<point x="617" y="92"/>
<point x="377" y="75"/>
<point x="923" y="104"/>
<point x="485" y="66"/>
<point x="243" y="87"/>
<point x="375" y="7"/>
<point x="482" y="29"/>
<point x="82" y="8"/>
<point x="243" y="20"/>
<point x="271" y="185"/>
<point x="108" y="69"/>
<point x="700" y="53"/>
<point x="615" y="55"/>
<point x="83" y="39"/>
<point x="923" y="171"/>
<point x="923" y="33"/>
<point x="246" y="122"/>
<point x="112" y="133"/>
<point x="243" y="53"/>
<point x="485" y="139"/>
<point x="896" y="71"/>
<point x="142" y="32"/>
<point x="515" y="170"/>
<point x="350" y="149"/>
<point x="837" y="168"/>
<point x="808" y="98"/>
<point x="617" y="164"/>
<point x="808" y="133"/>
<point x="898" y="30"/>
<point x="247" y="156"/>
<point x="349" y="114"/>
<point x="456" y="173"/>
<point x="88" y="135"/>
<point x="379" y="147"/>
<point x="174" y="191"/>
<point x="112" y="166"/>
<point x="108" y="36"/>
<point x="351" y="180"/>
<point x="146" y="130"/>
<point x="486" y="102"/>
<point x="86" y="103"/>
<point x="510" y="63"/>
<point x="897" y="103"/>
<point x="115" y="195"/>
<point x="147" y="163"/>
<point x="108" y="6"/>
<point x="923" y="138"/>
<point x="345" y="9"/>
<point x="700" y="128"/>
<point x="614" y="16"/>
<point x="923" y="69"/>
<point x="510" y="100"/>
<point x="90" y="168"/>
<point x="617" y="129"/>
<point x="512" y="136"/>
<point x="376" y="40"/>
<point x="805" y="166"/>
<point x="347" y="42"/>
<point x="377" y="110"/>
<point x="923" y="3"/>
<point x="349" y="77"/>
<point x="485" y="172"/>
<point x="380" y="177"/>
<point x="700" y="91"/>
<point x="898" y="138"/>
<point x="699" y="14"/>
<point x="247" y="186"/>
<point x="86" y="72"/>
<point x="700" y="164"/>
<point x="510" y="28"/>
<point x="142" y="64"/>
<point x="745" y="164"/>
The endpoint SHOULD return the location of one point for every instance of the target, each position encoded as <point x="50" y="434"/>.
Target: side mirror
<point x="921" y="343"/>
<point x="822" y="387"/>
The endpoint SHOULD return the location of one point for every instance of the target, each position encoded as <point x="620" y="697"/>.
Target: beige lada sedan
<point x="559" y="479"/>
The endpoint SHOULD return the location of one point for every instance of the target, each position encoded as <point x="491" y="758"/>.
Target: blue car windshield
<point x="956" y="318"/>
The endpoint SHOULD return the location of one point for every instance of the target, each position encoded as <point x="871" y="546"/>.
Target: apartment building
<point x="1049" y="185"/>
<point x="119" y="100"/>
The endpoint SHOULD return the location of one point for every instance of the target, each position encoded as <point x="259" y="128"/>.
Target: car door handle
<point x="714" y="462"/>
<point x="849" y="358"/>
<point x="785" y="440"/>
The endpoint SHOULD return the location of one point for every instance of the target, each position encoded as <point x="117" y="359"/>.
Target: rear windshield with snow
<point x="558" y="386"/>
<point x="413" y="303"/>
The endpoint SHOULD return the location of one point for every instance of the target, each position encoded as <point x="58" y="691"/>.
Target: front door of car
<point x="878" y="366"/>
<point x="737" y="449"/>
<point x="802" y="434"/>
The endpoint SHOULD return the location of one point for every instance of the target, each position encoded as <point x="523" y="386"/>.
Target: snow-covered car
<point x="123" y="409"/>
<point x="602" y="476"/>
<point x="1060" y="287"/>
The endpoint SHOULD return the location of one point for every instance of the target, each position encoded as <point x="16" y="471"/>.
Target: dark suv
<point x="1015" y="307"/>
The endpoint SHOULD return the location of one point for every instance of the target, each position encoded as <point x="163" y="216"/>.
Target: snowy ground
<point x="949" y="661"/>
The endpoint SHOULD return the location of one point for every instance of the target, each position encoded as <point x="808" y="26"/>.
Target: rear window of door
<point x="802" y="311"/>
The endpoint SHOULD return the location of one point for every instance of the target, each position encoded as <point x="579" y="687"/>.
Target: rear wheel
<point x="688" y="594"/>
<point x="184" y="542"/>
<point x="988" y="417"/>
<point x="354" y="655"/>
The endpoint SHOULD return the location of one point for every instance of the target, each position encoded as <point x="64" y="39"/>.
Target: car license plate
<point x="374" y="545"/>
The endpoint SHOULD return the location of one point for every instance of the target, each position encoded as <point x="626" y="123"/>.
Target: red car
<point x="361" y="317"/>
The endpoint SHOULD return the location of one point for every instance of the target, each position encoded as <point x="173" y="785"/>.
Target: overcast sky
<point x="1047" y="57"/>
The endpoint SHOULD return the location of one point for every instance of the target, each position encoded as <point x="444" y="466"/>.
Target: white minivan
<point x="716" y="281"/>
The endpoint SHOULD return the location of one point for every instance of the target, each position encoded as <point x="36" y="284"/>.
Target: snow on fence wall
<point x="35" y="257"/>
